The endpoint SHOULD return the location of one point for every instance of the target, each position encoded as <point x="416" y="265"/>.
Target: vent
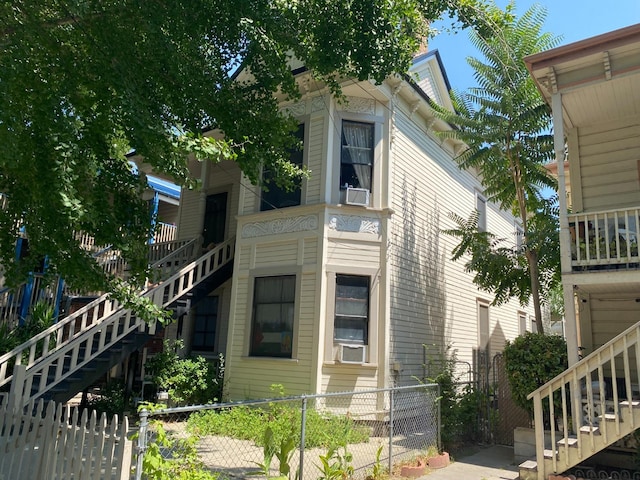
<point x="357" y="196"/>
<point x="352" y="353"/>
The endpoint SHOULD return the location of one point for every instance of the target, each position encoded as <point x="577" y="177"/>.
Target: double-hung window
<point x="273" y="316"/>
<point x="356" y="158"/>
<point x="351" y="324"/>
<point x="276" y="196"/>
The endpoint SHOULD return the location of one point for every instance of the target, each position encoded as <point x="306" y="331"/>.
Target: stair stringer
<point x="97" y="327"/>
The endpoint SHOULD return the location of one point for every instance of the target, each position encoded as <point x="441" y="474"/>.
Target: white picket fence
<point x="55" y="442"/>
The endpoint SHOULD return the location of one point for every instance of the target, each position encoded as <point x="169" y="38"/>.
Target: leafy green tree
<point x="84" y="83"/>
<point x="506" y="125"/>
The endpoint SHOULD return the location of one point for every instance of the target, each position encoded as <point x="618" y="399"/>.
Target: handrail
<point x="600" y="390"/>
<point x="98" y="331"/>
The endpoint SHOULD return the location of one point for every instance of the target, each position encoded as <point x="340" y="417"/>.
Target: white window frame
<point x="484" y="343"/>
<point x="481" y="207"/>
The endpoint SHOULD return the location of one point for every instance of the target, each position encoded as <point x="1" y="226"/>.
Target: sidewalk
<point x="490" y="463"/>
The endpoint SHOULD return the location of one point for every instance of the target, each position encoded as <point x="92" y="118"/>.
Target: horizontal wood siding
<point x="609" y="157"/>
<point x="433" y="300"/>
<point x="315" y="156"/>
<point x="347" y="378"/>
<point x="252" y="377"/>
<point x="352" y="252"/>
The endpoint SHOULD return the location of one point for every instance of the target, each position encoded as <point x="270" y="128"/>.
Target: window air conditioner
<point x="357" y="196"/>
<point x="352" y="353"/>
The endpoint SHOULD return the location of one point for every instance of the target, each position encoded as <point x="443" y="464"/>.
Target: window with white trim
<point x="351" y="323"/>
<point x="522" y="323"/>
<point x="481" y="207"/>
<point x="273" y="316"/>
<point x="483" y="325"/>
<point x="356" y="156"/>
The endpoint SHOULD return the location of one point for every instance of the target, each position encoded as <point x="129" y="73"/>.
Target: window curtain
<point x="359" y="145"/>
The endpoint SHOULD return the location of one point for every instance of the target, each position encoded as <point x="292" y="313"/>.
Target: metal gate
<point x="505" y="415"/>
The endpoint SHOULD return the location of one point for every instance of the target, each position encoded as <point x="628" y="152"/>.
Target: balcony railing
<point x="606" y="238"/>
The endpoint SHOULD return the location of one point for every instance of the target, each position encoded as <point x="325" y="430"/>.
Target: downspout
<point x="154" y="215"/>
<point x="571" y="332"/>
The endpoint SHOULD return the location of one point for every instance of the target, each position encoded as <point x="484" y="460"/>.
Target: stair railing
<point x="63" y="349"/>
<point x="590" y="398"/>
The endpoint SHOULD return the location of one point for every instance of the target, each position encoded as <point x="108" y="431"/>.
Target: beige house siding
<point x="433" y="300"/>
<point x="266" y="255"/>
<point x="608" y="165"/>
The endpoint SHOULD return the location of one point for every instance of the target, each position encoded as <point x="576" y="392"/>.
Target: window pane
<point x="273" y="315"/>
<point x="351" y="330"/>
<point x="356" y="158"/>
<point x="277" y="197"/>
<point x="352" y="309"/>
<point x="206" y="319"/>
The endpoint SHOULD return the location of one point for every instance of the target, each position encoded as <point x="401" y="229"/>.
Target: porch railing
<point x="604" y="238"/>
<point x="596" y="400"/>
<point x="165" y="232"/>
<point x="16" y="303"/>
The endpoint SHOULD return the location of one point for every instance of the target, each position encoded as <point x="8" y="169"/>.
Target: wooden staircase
<point x="99" y="332"/>
<point x="603" y="391"/>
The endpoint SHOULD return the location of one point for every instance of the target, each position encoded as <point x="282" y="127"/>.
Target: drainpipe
<point x="571" y="332"/>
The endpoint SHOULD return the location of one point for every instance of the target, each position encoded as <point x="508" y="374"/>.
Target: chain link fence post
<point x="303" y="424"/>
<point x="391" y="407"/>
<point x="142" y="442"/>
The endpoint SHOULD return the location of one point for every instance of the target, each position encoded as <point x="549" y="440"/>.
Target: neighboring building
<point x="341" y="284"/>
<point x="592" y="87"/>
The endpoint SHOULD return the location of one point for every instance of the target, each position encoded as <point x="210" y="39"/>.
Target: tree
<point x="83" y="83"/>
<point x="506" y="125"/>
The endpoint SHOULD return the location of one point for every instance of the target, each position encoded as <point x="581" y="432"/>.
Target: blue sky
<point x="571" y="19"/>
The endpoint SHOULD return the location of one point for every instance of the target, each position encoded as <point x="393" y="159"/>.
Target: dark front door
<point x="215" y="219"/>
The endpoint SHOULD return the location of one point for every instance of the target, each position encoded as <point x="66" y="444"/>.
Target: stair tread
<point x="529" y="465"/>
<point x="570" y="441"/>
<point x="634" y="403"/>
<point x="609" y="417"/>
<point x="590" y="429"/>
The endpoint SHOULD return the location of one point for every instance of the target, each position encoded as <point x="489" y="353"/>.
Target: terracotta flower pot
<point x="439" y="461"/>
<point x="413" y="471"/>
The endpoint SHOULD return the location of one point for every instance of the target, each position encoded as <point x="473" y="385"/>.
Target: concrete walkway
<point x="490" y="463"/>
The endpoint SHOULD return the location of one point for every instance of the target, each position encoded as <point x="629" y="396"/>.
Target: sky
<point x="573" y="20"/>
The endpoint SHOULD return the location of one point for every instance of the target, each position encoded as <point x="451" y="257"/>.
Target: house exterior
<point x="592" y="87"/>
<point x="341" y="284"/>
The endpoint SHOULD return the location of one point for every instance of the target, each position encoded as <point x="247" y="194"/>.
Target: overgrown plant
<point x="323" y="429"/>
<point x="283" y="451"/>
<point x="182" y="464"/>
<point x="112" y="399"/>
<point x="531" y="360"/>
<point x="460" y="404"/>
<point x="336" y="464"/>
<point x="378" y="471"/>
<point x="190" y="380"/>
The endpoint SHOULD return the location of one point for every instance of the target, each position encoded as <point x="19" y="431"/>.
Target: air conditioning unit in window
<point x="352" y="353"/>
<point x="357" y="196"/>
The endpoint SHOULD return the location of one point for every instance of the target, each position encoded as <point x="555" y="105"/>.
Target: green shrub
<point x="111" y="400"/>
<point x="531" y="360"/>
<point x="189" y="381"/>
<point x="460" y="406"/>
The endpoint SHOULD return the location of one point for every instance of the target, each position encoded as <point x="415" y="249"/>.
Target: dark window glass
<point x="206" y="320"/>
<point x="273" y="314"/>
<point x="277" y="197"/>
<point x="351" y="322"/>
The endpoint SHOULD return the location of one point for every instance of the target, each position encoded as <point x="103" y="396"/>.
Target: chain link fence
<point x="305" y="437"/>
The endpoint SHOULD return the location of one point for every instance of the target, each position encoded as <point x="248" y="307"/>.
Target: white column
<point x="571" y="331"/>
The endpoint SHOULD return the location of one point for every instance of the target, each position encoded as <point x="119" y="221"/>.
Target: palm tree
<point x="506" y="125"/>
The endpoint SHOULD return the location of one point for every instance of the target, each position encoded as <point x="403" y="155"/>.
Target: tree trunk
<point x="534" y="274"/>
